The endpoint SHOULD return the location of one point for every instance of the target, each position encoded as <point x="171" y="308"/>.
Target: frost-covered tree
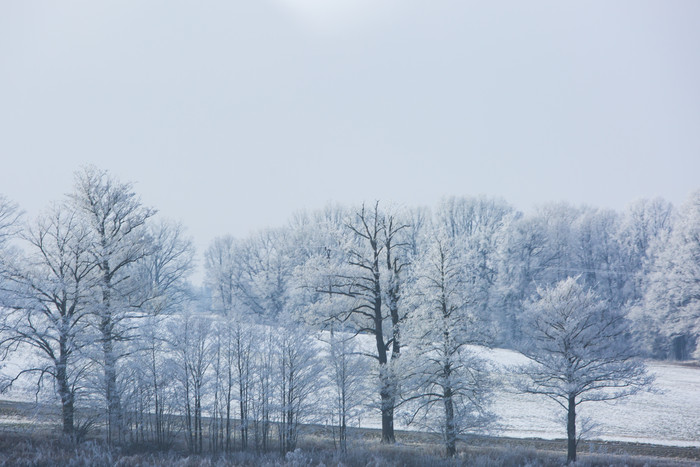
<point x="581" y="351"/>
<point x="191" y="346"/>
<point x="48" y="293"/>
<point x="162" y="278"/>
<point x="598" y="255"/>
<point x="449" y="382"/>
<point x="673" y="293"/>
<point x="252" y="273"/>
<point x="298" y="381"/>
<point x="150" y="403"/>
<point x="479" y="227"/>
<point x="644" y="227"/>
<point x="347" y="373"/>
<point x="9" y="219"/>
<point x="322" y="246"/>
<point x="116" y="222"/>
<point x="163" y="273"/>
<point x="560" y="240"/>
<point x="244" y="348"/>
<point x="10" y="216"/>
<point x="221" y="274"/>
<point x="524" y="263"/>
<point x="365" y="287"/>
<point x="263" y="385"/>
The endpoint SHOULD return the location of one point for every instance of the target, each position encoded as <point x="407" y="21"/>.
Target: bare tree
<point x="347" y="370"/>
<point x="243" y="347"/>
<point x="262" y="398"/>
<point x="49" y="293"/>
<point x="10" y="215"/>
<point x="446" y="374"/>
<point x="367" y="278"/>
<point x="233" y="359"/>
<point x="162" y="273"/>
<point x="299" y="369"/>
<point x="117" y="225"/>
<point x="162" y="277"/>
<point x="191" y="343"/>
<point x="581" y="351"/>
<point x="226" y="334"/>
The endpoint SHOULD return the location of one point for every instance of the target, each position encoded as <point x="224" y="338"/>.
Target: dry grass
<point x="24" y="442"/>
<point x="23" y="451"/>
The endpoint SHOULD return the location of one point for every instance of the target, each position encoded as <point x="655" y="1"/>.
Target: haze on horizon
<point x="230" y="116"/>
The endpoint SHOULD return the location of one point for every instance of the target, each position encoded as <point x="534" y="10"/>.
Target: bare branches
<point x="581" y="351"/>
<point x="10" y="216"/>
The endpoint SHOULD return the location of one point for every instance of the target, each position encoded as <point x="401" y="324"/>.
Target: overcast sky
<point x="230" y="115"/>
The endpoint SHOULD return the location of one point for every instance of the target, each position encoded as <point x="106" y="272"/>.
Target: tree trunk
<point x="387" y="414"/>
<point x="243" y="375"/>
<point x="342" y="435"/>
<point x="228" y="419"/>
<point x="571" y="431"/>
<point x="450" y="430"/>
<point x="67" y="409"/>
<point x="387" y="395"/>
<point x="244" y="420"/>
<point x="64" y="390"/>
<point x="114" y="415"/>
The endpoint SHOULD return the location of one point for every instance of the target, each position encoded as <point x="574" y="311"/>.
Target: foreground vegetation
<point x="24" y="450"/>
<point x="26" y="442"/>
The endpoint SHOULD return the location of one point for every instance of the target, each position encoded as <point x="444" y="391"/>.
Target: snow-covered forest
<point x="338" y="316"/>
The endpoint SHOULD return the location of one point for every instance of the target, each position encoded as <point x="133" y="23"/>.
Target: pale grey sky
<point x="230" y="115"/>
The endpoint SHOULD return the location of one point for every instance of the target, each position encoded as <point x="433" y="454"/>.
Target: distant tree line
<point x="339" y="313"/>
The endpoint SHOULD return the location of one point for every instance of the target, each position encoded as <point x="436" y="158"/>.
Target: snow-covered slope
<point x="670" y="415"/>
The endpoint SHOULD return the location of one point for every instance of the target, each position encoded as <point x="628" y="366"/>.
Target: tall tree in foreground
<point x="581" y="351"/>
<point x="448" y="377"/>
<point x="47" y="296"/>
<point x="117" y="224"/>
<point x="363" y="290"/>
<point x="372" y="282"/>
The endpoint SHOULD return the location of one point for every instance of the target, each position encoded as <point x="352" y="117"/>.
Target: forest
<point x="369" y="313"/>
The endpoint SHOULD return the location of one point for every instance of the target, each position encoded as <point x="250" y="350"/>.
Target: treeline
<point x="341" y="311"/>
<point x="644" y="259"/>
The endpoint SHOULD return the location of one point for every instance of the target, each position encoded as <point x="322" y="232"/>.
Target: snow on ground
<point x="668" y="416"/>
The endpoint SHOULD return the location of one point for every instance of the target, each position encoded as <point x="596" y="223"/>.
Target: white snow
<point x="668" y="416"/>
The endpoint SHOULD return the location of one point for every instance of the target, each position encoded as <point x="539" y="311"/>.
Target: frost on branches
<point x="672" y="301"/>
<point x="449" y="382"/>
<point x="581" y="351"/>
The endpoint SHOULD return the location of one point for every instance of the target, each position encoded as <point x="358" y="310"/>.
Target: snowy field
<point x="668" y="416"/>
